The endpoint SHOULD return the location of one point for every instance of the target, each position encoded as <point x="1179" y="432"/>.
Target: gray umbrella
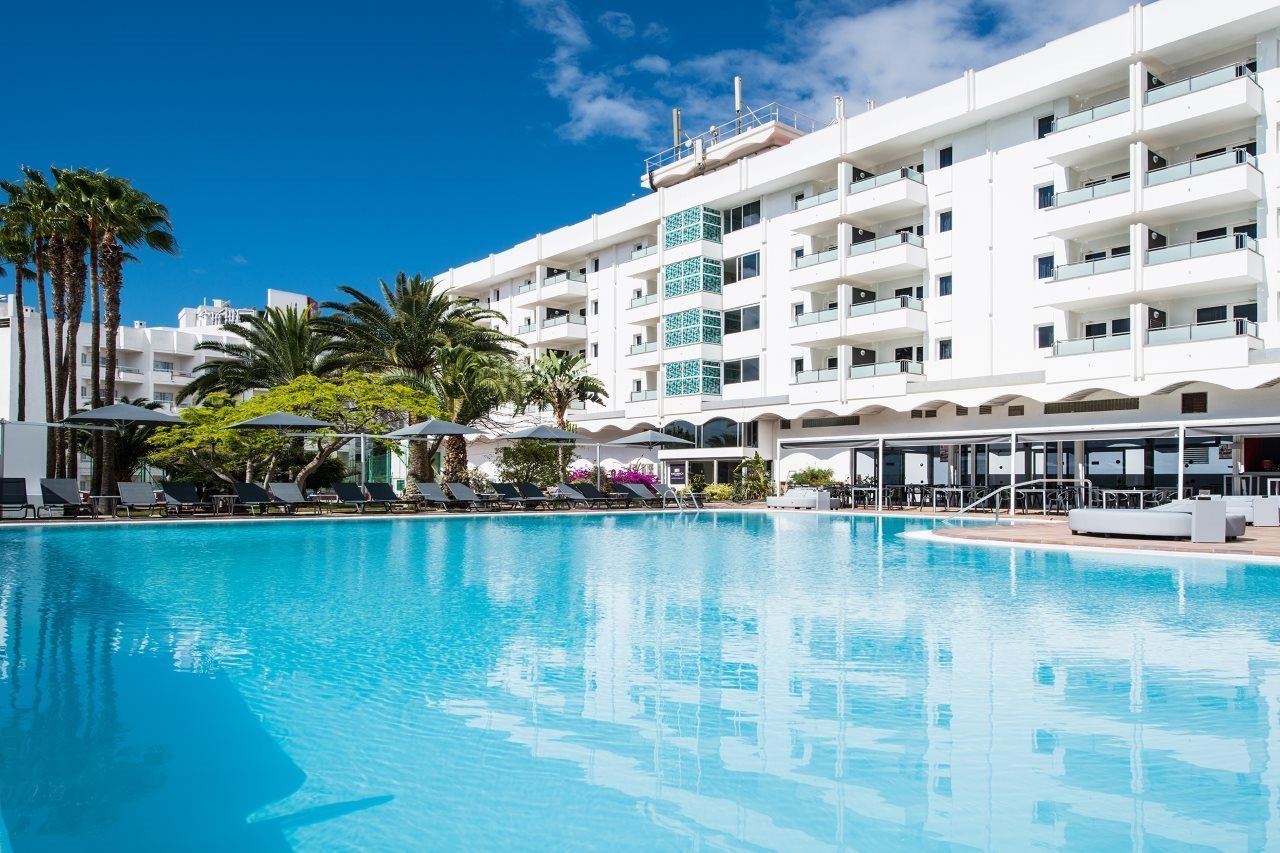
<point x="650" y="438"/>
<point x="431" y="429"/>
<point x="123" y="415"/>
<point x="541" y="433"/>
<point x="282" y="421"/>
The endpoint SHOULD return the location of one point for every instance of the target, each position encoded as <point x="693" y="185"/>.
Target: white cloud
<point x="654" y="30"/>
<point x="239" y="260"/>
<point x="841" y="48"/>
<point x="618" y="24"/>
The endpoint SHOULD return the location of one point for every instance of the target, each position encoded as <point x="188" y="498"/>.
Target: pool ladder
<point x="674" y="496"/>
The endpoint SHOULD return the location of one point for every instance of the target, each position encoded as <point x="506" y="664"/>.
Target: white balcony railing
<point x="903" y="174"/>
<point x="647" y="299"/>
<point x="1092" y="114"/>
<point x="885" y="368"/>
<point x="811" y="317"/>
<point x="1216" y="330"/>
<point x="1197" y="82"/>
<point x="1083" y="268"/>
<point x="816" y="258"/>
<point x="815" y="200"/>
<point x="647" y="346"/>
<point x="879" y="306"/>
<point x="1201" y="166"/>
<point x="1114" y="186"/>
<point x="886" y="242"/>
<point x="807" y="377"/>
<point x="1101" y="343"/>
<point x="1201" y="249"/>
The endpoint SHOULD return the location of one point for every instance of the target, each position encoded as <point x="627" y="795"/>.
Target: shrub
<point x="697" y="484"/>
<point x="633" y="474"/>
<point x="529" y="462"/>
<point x="581" y="473"/>
<point x="812" y="477"/>
<point x="718" y="492"/>
<point x="752" y="475"/>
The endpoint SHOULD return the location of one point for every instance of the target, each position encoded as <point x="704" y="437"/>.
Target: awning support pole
<point x="1182" y="452"/>
<point x="880" y="475"/>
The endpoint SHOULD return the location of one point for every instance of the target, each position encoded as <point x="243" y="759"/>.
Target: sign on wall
<point x="677" y="473"/>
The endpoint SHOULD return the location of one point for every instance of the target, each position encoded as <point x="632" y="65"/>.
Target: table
<point x="1141" y="494"/>
<point x="105" y="504"/>
<point x="869" y="492"/>
<point x="221" y="503"/>
<point x="947" y="491"/>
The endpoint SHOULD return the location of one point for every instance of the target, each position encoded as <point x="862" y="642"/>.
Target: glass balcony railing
<point x="552" y="322"/>
<point x="644" y="253"/>
<point x="525" y="328"/>
<point x="1201" y="249"/>
<point x="811" y="317"/>
<point x="647" y="299"/>
<point x="1092" y="114"/>
<point x="647" y="346"/>
<point x="1115" y="186"/>
<point x="1202" y="166"/>
<point x="1102" y="343"/>
<point x="815" y="200"/>
<point x="816" y="258"/>
<point x="904" y="174"/>
<point x="641" y="396"/>
<point x="526" y="287"/>
<point x="879" y="306"/>
<point x="887" y="242"/>
<point x="807" y="377"/>
<point x="885" y="368"/>
<point x="560" y="278"/>
<point x="1083" y="268"/>
<point x="1216" y="330"/>
<point x="1198" y="82"/>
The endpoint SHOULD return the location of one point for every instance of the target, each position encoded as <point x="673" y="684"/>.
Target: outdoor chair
<point x="292" y="496"/>
<point x="641" y="493"/>
<point x="591" y="493"/>
<point x="510" y="495"/>
<point x="463" y="492"/>
<point x="13" y="495"/>
<point x="383" y="493"/>
<point x="180" y="496"/>
<point x="532" y="493"/>
<point x="570" y="495"/>
<point x="253" y="497"/>
<point x="433" y="495"/>
<point x="65" y="495"/>
<point x="350" y="494"/>
<point x="141" y="496"/>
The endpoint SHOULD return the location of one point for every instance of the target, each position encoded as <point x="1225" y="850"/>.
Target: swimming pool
<point x="630" y="681"/>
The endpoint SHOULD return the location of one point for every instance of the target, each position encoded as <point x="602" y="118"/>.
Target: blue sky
<point x="307" y="145"/>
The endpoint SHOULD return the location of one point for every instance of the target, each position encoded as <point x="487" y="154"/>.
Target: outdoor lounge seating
<point x="463" y="492"/>
<point x="292" y="496"/>
<point x="65" y="495"/>
<point x="255" y="498"/>
<point x="571" y="495"/>
<point x="591" y="493"/>
<point x="180" y="496"/>
<point x="642" y="494"/>
<point x="350" y="494"/>
<point x="801" y="497"/>
<point x="1203" y="521"/>
<point x="140" y="496"/>
<point x="383" y="493"/>
<point x="13" y="496"/>
<point x="510" y="495"/>
<point x="531" y="492"/>
<point x="433" y="495"/>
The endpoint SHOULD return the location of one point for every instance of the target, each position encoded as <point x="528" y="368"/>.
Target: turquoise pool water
<point x="641" y="681"/>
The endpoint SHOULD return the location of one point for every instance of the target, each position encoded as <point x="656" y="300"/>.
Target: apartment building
<point x="1032" y="270"/>
<point x="154" y="363"/>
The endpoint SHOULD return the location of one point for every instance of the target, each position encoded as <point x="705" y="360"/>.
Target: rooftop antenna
<point x="737" y="101"/>
<point x="675" y="127"/>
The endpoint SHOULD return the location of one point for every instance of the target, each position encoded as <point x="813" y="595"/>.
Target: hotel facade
<point x="1069" y="254"/>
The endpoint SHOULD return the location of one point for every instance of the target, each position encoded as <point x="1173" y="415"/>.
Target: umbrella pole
<point x="597" y="456"/>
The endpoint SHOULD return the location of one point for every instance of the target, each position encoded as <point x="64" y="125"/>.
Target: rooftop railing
<point x="886" y="242"/>
<point x="1112" y="186"/>
<point x="906" y="173"/>
<point x="1083" y="268"/>
<point x="807" y="377"/>
<point x="810" y="317"/>
<point x="1200" y="166"/>
<point x="1092" y="114"/>
<point x="1101" y="343"/>
<point x="816" y="258"/>
<point x="1216" y="330"/>
<point x="885" y="368"/>
<point x="1201" y="248"/>
<point x="750" y="120"/>
<point x="879" y="306"/>
<point x="1198" y="82"/>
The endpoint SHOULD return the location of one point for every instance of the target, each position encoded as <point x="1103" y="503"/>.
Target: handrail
<point x="1012" y="493"/>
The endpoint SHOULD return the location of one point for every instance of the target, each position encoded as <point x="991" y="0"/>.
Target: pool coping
<point x="934" y="537"/>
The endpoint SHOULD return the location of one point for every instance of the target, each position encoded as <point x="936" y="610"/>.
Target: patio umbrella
<point x="650" y="438"/>
<point x="431" y="429"/>
<point x="282" y="421"/>
<point x="541" y="433"/>
<point x="122" y="415"/>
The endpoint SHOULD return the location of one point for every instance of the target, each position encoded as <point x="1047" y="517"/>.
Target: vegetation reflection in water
<point x="743" y="680"/>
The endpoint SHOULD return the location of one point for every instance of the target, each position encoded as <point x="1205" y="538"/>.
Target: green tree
<point x="557" y="381"/>
<point x="530" y="462"/>
<point x="274" y="349"/>
<point x="472" y="386"/>
<point x="16" y="248"/>
<point x="132" y="444"/>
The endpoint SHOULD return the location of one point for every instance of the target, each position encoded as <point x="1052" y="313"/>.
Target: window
<point x="1245" y="311"/>
<point x="743" y="266"/>
<point x="944" y="285"/>
<point x="1095" y="330"/>
<point x="944" y="157"/>
<point x="1044" y="336"/>
<point x="797" y="365"/>
<point x="1120" y="327"/>
<point x="741" y="319"/>
<point x="741" y="370"/>
<point x="944" y="349"/>
<point x="595" y="307"/>
<point x="1195" y="403"/>
<point x="944" y="222"/>
<point x="1044" y="126"/>
<point x="595" y="265"/>
<point x="162" y="365"/>
<point x="595" y="350"/>
<point x="1044" y="196"/>
<point x="1213" y="314"/>
<point x="1017" y="411"/>
<point x="1044" y="266"/>
<point x="742" y="217"/>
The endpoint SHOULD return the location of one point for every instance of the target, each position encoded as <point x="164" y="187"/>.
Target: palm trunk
<point x="20" y="319"/>
<point x="57" y="249"/>
<point x="98" y="471"/>
<point x="75" y="284"/>
<point x="49" y="443"/>
<point x="112" y="280"/>
<point x="455" y="458"/>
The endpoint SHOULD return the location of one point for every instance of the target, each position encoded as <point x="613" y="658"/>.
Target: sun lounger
<point x="253" y="497"/>
<point x="350" y="494"/>
<point x="433" y="495"/>
<point x="65" y="495"/>
<point x="290" y="495"/>
<point x="570" y="495"/>
<point x="180" y="496"/>
<point x="140" y="496"/>
<point x="13" y="496"/>
<point x="598" y="497"/>
<point x="463" y="492"/>
<point x="1199" y="524"/>
<point x="641" y="493"/>
<point x="510" y="495"/>
<point x="534" y="495"/>
<point x="383" y="493"/>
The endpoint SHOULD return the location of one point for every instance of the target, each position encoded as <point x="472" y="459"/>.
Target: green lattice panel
<point x="692" y="377"/>
<point x="692" y="275"/>
<point x="696" y="223"/>
<point x="694" y="326"/>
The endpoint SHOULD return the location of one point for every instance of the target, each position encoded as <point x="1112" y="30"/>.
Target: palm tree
<point x="67" y="247"/>
<point x="557" y="381"/>
<point x="274" y="349"/>
<point x="131" y="444"/>
<point x="16" y="248"/>
<point x="403" y="334"/>
<point x="473" y="385"/>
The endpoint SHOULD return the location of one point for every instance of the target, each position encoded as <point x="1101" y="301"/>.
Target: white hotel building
<point x="1067" y="251"/>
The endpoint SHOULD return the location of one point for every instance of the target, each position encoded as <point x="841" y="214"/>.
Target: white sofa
<point x="1199" y="521"/>
<point x="801" y="497"/>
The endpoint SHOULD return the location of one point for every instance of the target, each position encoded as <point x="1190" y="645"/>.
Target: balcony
<point x="644" y="396"/>
<point x="1084" y="346"/>
<point x="1195" y="347"/>
<point x="644" y="355"/>
<point x="1201" y="105"/>
<point x="643" y="263"/>
<point x="525" y="294"/>
<point x="886" y="318"/>
<point x="646" y="252"/>
<point x="1203" y="266"/>
<point x="1203" y="187"/>
<point x="1085" y="135"/>
<point x="1089" y="210"/>
<point x="816" y="327"/>
<point x="814" y="213"/>
<point x="563" y="290"/>
<point x="808" y="377"/>
<point x="1090" y="359"/>
<point x="1097" y="283"/>
<point x="817" y="271"/>
<point x="894" y="194"/>
<point x="882" y="379"/>
<point x="128" y="374"/>
<point x="885" y="258"/>
<point x="565" y="329"/>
